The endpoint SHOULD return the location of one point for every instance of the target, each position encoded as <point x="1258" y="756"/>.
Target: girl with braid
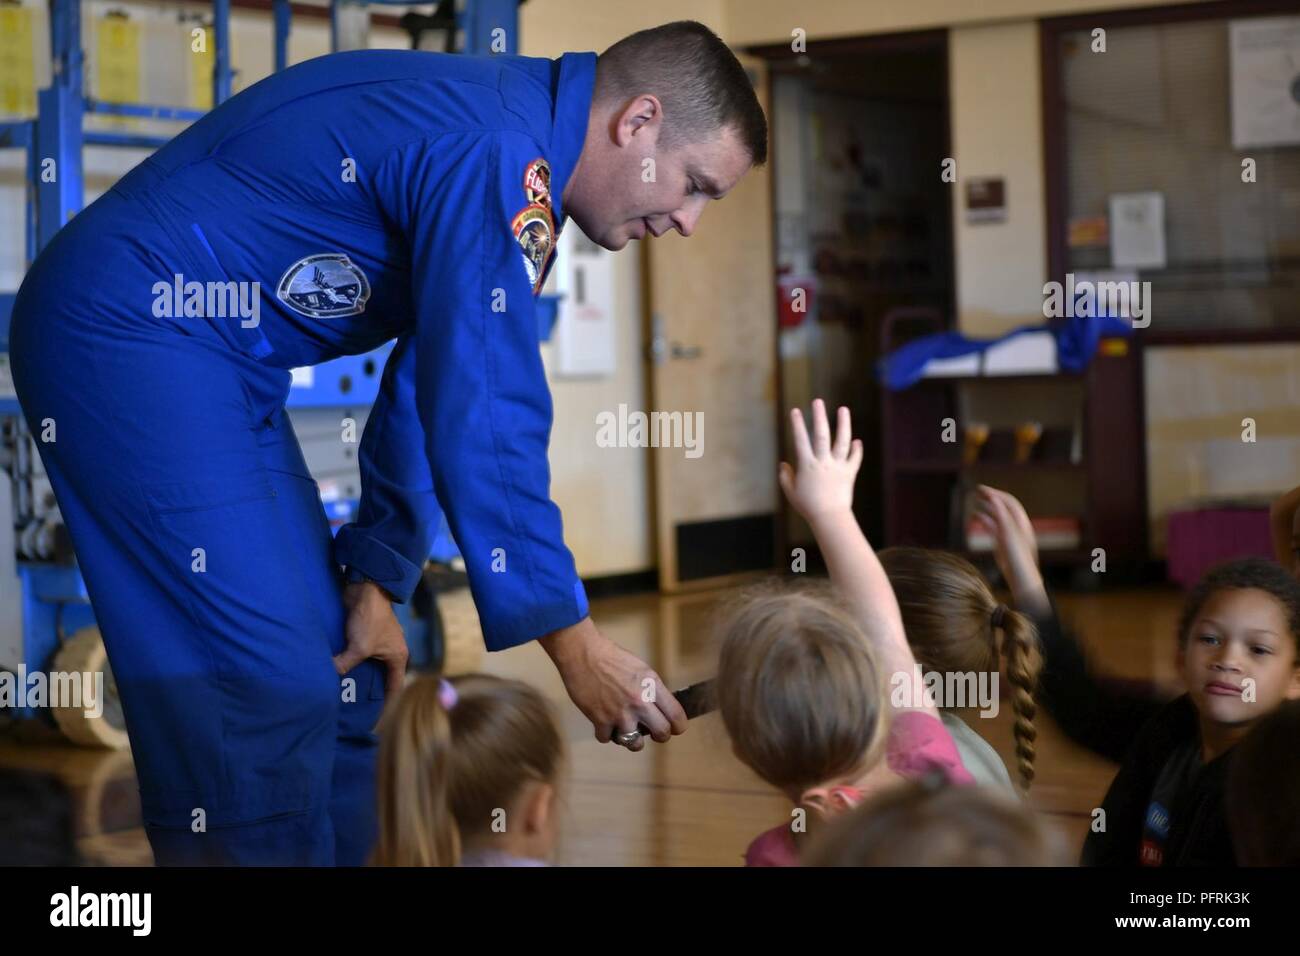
<point x="957" y="629"/>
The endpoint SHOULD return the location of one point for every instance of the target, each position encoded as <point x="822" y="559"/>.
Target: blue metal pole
<point x="143" y="109"/>
<point x="58" y="181"/>
<point x="65" y="42"/>
<point x="480" y="20"/>
<point x="283" y="24"/>
<point x="139" y="140"/>
<point x="221" y="75"/>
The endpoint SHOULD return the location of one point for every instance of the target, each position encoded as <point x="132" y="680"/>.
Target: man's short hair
<point x="698" y="80"/>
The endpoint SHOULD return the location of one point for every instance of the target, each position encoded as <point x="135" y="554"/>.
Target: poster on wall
<point x="986" y="200"/>
<point x="1137" y="230"/>
<point x="1265" y="71"/>
<point x="17" y="62"/>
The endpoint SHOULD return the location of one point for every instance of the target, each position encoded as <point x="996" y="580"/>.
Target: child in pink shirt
<point x="803" y="676"/>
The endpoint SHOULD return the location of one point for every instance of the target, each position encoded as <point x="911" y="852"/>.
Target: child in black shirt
<point x="1239" y="655"/>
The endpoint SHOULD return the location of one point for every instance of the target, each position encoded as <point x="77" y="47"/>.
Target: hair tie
<point x="447" y="695"/>
<point x="999" y="613"/>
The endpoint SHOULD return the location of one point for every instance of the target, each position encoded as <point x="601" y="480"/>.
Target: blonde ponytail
<point x="452" y="755"/>
<point x="416" y="825"/>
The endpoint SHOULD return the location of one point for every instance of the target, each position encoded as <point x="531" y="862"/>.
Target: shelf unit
<point x="925" y="481"/>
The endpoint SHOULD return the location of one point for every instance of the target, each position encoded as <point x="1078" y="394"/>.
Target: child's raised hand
<point x="1015" y="547"/>
<point x="821" y="482"/>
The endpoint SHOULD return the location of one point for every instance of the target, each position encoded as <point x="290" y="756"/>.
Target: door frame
<point x="781" y="58"/>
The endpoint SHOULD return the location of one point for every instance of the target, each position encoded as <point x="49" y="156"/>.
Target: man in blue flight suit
<point x="350" y="200"/>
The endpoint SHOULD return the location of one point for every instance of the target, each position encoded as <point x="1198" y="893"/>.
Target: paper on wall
<point x="1265" y="56"/>
<point x="1137" y="230"/>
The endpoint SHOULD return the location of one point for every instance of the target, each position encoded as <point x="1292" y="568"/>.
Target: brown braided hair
<point x="952" y="621"/>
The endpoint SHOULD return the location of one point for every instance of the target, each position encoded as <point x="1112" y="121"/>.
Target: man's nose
<point x="686" y="218"/>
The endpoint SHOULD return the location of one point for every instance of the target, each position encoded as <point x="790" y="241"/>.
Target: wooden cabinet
<point x="1089" y="463"/>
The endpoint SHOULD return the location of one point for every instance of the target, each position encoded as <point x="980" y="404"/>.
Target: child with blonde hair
<point x="468" y="771"/>
<point x="802" y="678"/>
<point x="931" y="824"/>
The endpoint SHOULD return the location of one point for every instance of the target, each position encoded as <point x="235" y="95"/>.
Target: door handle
<point x="660" y="349"/>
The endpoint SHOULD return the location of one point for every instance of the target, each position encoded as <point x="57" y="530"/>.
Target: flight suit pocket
<point x="208" y="493"/>
<point x="219" y="539"/>
<point x="237" y="315"/>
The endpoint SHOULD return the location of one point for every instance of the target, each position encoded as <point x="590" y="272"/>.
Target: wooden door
<point x="712" y="329"/>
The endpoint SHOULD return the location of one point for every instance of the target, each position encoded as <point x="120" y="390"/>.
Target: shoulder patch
<point x="324" y="286"/>
<point x="537" y="182"/>
<point x="535" y="232"/>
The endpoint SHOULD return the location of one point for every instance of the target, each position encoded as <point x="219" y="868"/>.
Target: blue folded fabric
<point x="1076" y="344"/>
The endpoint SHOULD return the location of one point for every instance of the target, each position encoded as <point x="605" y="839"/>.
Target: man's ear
<point x="643" y="116"/>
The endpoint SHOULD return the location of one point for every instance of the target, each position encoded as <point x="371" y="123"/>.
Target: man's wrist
<point x="359" y="588"/>
<point x="564" y="644"/>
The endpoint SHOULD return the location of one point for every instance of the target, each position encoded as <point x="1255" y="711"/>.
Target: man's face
<point x="626" y="186"/>
<point x="1239" y="658"/>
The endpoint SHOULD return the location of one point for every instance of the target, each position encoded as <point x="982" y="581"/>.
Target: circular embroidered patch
<point x="324" y="286"/>
<point x="535" y="233"/>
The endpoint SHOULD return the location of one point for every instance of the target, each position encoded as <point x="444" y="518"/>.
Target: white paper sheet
<point x="1137" y="230"/>
<point x="1265" y="58"/>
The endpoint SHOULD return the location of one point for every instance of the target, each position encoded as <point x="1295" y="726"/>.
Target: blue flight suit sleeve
<point x="398" y="516"/>
<point x="480" y="387"/>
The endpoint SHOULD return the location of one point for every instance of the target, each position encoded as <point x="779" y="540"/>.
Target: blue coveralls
<point x="373" y="195"/>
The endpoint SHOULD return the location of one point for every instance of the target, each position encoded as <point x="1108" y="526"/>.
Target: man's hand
<point x="613" y="688"/>
<point x="372" y="631"/>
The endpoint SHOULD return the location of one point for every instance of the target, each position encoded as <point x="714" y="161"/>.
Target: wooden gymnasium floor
<point x="688" y="803"/>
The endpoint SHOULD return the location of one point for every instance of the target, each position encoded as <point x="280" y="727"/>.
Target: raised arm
<point x="820" y="488"/>
<point x="1102" y="714"/>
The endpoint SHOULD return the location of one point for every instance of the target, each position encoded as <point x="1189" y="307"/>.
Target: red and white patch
<point x="537" y="182"/>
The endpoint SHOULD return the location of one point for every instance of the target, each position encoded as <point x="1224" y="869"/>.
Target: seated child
<point x="1264" y="791"/>
<point x="931" y="824"/>
<point x="802" y="678"/>
<point x="954" y="623"/>
<point x="1239" y="657"/>
<point x="468" y="769"/>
